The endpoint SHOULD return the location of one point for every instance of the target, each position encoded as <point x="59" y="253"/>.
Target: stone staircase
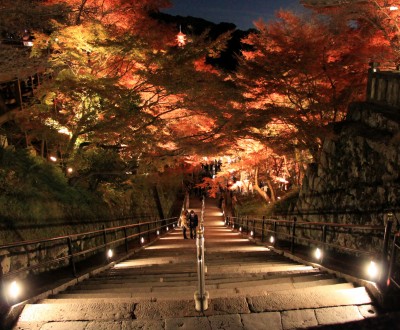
<point x="250" y="287"/>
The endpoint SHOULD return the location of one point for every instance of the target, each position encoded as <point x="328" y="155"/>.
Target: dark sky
<point x="240" y="12"/>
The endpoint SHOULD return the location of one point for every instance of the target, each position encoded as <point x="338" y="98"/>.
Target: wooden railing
<point x="383" y="87"/>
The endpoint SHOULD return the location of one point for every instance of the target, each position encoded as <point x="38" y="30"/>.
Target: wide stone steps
<point x="249" y="287"/>
<point x="216" y="290"/>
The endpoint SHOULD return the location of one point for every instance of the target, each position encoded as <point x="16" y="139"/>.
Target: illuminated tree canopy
<point x="119" y="87"/>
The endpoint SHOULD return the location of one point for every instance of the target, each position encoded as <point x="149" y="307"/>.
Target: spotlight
<point x="14" y="290"/>
<point x="167" y="228"/>
<point x="372" y="270"/>
<point x="272" y="239"/>
<point x="318" y="254"/>
<point x="142" y="240"/>
<point x="110" y="253"/>
<point x="252" y="233"/>
<point x="158" y="232"/>
<point x="240" y="229"/>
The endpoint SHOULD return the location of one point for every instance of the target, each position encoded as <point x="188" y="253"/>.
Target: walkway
<point x="250" y="287"/>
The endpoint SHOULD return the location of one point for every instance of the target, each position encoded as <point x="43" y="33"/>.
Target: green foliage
<point x="32" y="189"/>
<point x="254" y="205"/>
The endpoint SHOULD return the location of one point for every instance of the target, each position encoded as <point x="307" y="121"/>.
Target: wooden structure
<point x="383" y="87"/>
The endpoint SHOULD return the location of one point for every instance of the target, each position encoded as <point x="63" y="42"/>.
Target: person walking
<point x="193" y="223"/>
<point x="184" y="223"/>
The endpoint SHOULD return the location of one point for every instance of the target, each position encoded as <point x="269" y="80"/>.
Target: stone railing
<point x="383" y="87"/>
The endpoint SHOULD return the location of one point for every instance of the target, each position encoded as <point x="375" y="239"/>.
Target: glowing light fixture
<point x="392" y="8"/>
<point x="14" y="290"/>
<point x="252" y="233"/>
<point x="27" y="39"/>
<point x="181" y="38"/>
<point x="142" y="240"/>
<point x="53" y="159"/>
<point x="158" y="232"/>
<point x="167" y="228"/>
<point x="70" y="170"/>
<point x="373" y="270"/>
<point x="110" y="253"/>
<point x="240" y="229"/>
<point x="272" y="239"/>
<point x="318" y="254"/>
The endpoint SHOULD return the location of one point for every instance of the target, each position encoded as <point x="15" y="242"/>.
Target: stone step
<point x="232" y="290"/>
<point x="113" y="309"/>
<point x="219" y="280"/>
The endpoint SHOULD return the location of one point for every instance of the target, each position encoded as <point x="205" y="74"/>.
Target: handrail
<point x="99" y="231"/>
<point x="201" y="296"/>
<point x="97" y="241"/>
<point x="319" y="223"/>
<point x="270" y="227"/>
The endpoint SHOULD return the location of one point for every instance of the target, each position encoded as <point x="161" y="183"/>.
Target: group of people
<point x="189" y="220"/>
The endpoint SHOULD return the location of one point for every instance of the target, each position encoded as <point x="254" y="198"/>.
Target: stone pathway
<point x="250" y="287"/>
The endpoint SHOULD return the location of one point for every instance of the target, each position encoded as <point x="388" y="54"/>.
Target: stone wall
<point x="357" y="180"/>
<point x="32" y="254"/>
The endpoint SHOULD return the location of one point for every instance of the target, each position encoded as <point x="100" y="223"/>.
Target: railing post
<point x="324" y="229"/>
<point x="140" y="231"/>
<point x="385" y="250"/>
<point x="200" y="296"/>
<point x="105" y="241"/>
<point x="293" y="235"/>
<point x="275" y="232"/>
<point x="126" y="240"/>
<point x="71" y="256"/>
<point x="3" y="298"/>
<point x="262" y="229"/>
<point x="254" y="228"/>
<point x="393" y="257"/>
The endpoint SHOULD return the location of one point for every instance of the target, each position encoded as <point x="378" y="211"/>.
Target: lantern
<point x="181" y="38"/>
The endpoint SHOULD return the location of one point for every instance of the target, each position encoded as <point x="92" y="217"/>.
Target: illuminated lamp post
<point x="181" y="38"/>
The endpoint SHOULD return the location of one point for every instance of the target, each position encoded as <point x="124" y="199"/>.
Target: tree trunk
<point x="261" y="192"/>
<point x="273" y="195"/>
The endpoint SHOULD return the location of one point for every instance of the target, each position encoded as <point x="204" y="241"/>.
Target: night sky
<point x="240" y="12"/>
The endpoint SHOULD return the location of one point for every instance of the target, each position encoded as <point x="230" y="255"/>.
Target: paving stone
<point x="110" y="325"/>
<point x="334" y="315"/>
<point x="261" y="321"/>
<point x="28" y="326"/>
<point x="77" y="311"/>
<point x="153" y="310"/>
<point x="75" y="325"/>
<point x="236" y="305"/>
<point x="142" y="325"/>
<point x="368" y="311"/>
<point x="188" y="323"/>
<point x="298" y="319"/>
<point x="228" y="322"/>
<point x="308" y="298"/>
